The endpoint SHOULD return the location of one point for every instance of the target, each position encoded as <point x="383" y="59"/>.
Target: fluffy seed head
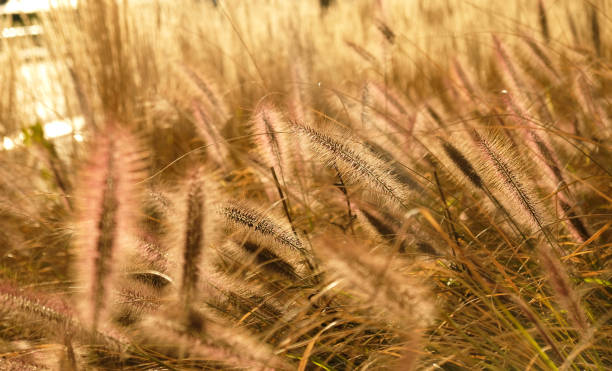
<point x="107" y="207"/>
<point x="356" y="163"/>
<point x="270" y="136"/>
<point x="267" y="227"/>
<point x="462" y="163"/>
<point x="565" y="293"/>
<point x="509" y="182"/>
<point x="191" y="229"/>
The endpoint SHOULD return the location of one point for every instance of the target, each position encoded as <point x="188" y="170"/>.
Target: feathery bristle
<point x="265" y="258"/>
<point x="299" y="95"/>
<point x="565" y="294"/>
<point x="374" y="278"/>
<point x="194" y="236"/>
<point x="268" y="133"/>
<point x="107" y="206"/>
<point x="463" y="164"/>
<point x="134" y="300"/>
<point x="384" y="225"/>
<point x="548" y="160"/>
<point x="595" y="32"/>
<point x="50" y="314"/>
<point x="209" y="93"/>
<point x="34" y="305"/>
<point x="264" y="226"/>
<point x="509" y="180"/>
<point x="200" y="336"/>
<point x="211" y="136"/>
<point x="543" y="21"/>
<point x="190" y="231"/>
<point x="355" y="163"/>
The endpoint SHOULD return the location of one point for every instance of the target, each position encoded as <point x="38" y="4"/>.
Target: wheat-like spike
<point x="543" y="21"/>
<point x="584" y="87"/>
<point x="577" y="226"/>
<point x="153" y="256"/>
<point x="138" y="299"/>
<point x="531" y="316"/>
<point x="261" y="307"/>
<point x="356" y="163"/>
<point x="387" y="98"/>
<point x="398" y="168"/>
<point x="300" y="98"/>
<point x="265" y="258"/>
<point x="209" y="93"/>
<point x="382" y="110"/>
<point x="195" y="238"/>
<point x="435" y="116"/>
<point x="386" y="31"/>
<point x="379" y="222"/>
<point x="190" y="230"/>
<point x="135" y="299"/>
<point x="462" y="163"/>
<point x="541" y="56"/>
<point x="513" y="77"/>
<point x="374" y="278"/>
<point x="476" y="175"/>
<point x="511" y="182"/>
<point x="227" y="293"/>
<point x="463" y="80"/>
<point x="267" y="227"/>
<point x="549" y="158"/>
<point x="366" y="106"/>
<point x="546" y="156"/>
<point x="211" y="135"/>
<point x="363" y="53"/>
<point x="200" y="336"/>
<point x="34" y="305"/>
<point x="595" y="32"/>
<point x="106" y="219"/>
<point x="560" y="282"/>
<point x="300" y="101"/>
<point x="51" y="314"/>
<point x="268" y="133"/>
<point x="8" y="364"/>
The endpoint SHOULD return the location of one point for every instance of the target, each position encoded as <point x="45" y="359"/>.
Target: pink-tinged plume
<point x="106" y="217"/>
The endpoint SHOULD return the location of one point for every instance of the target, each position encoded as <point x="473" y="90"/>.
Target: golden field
<point x="287" y="185"/>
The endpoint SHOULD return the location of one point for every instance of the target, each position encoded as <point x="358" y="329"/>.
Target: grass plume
<point x="355" y="163"/>
<point x="107" y="205"/>
<point x="444" y="169"/>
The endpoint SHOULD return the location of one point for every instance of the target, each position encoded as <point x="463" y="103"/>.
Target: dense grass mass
<point x="336" y="185"/>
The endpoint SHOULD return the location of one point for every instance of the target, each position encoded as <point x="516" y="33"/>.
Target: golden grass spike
<point x="107" y="200"/>
<point x="357" y="163"/>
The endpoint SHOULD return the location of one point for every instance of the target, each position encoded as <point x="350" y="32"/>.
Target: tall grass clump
<point x="282" y="185"/>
